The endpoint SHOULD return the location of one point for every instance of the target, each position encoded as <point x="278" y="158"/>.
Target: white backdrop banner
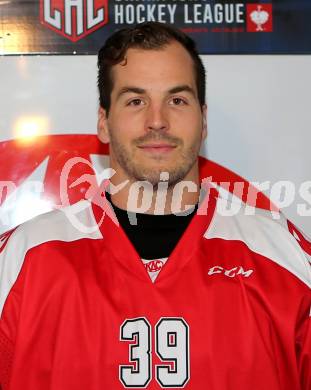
<point x="258" y="119"/>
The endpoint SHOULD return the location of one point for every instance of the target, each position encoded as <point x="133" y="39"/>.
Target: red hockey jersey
<point x="230" y="309"/>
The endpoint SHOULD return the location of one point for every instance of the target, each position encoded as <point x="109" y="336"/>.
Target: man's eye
<point x="178" y="101"/>
<point x="135" y="102"/>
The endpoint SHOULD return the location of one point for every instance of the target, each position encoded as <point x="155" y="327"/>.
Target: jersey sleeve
<point x="6" y="358"/>
<point x="303" y="348"/>
<point x="9" y="305"/>
<point x="303" y="340"/>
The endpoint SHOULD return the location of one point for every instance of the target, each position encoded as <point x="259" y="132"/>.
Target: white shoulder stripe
<point x="264" y="236"/>
<point x="52" y="226"/>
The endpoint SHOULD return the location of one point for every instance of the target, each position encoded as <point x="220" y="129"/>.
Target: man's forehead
<point x="141" y="66"/>
<point x="169" y="53"/>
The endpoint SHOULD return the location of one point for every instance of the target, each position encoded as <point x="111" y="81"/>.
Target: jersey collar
<point x="120" y="247"/>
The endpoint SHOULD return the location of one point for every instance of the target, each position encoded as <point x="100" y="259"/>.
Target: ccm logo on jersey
<point x="231" y="273"/>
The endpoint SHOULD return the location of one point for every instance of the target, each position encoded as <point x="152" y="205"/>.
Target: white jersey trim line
<point x="264" y="236"/>
<point x="51" y="226"/>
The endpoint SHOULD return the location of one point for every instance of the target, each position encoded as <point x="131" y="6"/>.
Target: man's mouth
<point x="157" y="147"/>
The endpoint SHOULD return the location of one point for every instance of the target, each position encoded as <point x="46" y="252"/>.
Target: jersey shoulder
<point x="69" y="224"/>
<point x="268" y="234"/>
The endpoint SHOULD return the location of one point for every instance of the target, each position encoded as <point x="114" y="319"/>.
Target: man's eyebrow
<point x="141" y="91"/>
<point x="182" y="88"/>
<point x="130" y="89"/>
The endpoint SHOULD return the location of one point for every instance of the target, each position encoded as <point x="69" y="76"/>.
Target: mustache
<point x="157" y="136"/>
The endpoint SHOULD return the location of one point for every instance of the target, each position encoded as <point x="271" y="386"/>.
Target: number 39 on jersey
<point x="170" y="340"/>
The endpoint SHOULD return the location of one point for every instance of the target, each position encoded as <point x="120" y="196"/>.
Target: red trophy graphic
<point x="259" y="17"/>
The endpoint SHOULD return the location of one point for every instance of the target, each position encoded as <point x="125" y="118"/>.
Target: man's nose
<point x="157" y="118"/>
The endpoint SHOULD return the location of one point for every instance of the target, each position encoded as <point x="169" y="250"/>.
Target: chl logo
<point x="74" y="19"/>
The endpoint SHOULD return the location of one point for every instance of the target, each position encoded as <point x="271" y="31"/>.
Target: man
<point x="184" y="297"/>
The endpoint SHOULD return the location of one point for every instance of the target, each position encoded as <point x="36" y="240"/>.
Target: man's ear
<point x="102" y="126"/>
<point x="204" y="122"/>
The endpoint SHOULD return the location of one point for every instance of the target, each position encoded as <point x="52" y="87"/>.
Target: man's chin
<point x="154" y="177"/>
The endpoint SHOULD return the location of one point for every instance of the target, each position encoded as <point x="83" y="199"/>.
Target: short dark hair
<point x="146" y="36"/>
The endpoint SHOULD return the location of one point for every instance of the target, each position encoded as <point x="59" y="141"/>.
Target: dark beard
<point x="138" y="173"/>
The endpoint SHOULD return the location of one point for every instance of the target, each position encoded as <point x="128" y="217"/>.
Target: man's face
<point x="155" y="122"/>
